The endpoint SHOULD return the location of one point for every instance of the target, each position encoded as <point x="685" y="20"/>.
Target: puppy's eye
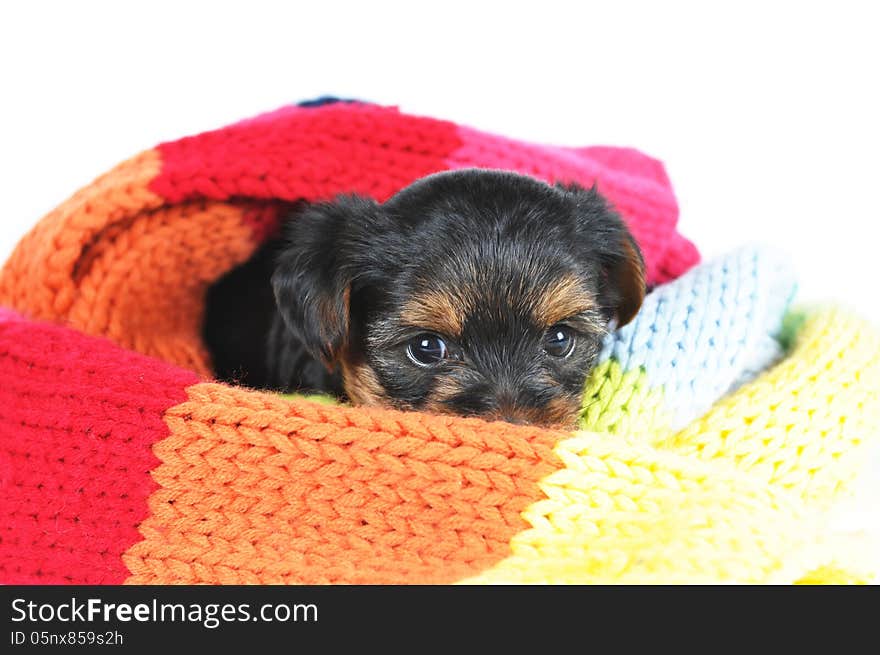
<point x="559" y="341"/>
<point x="427" y="350"/>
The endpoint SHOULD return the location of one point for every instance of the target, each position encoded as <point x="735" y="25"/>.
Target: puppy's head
<point x="472" y="292"/>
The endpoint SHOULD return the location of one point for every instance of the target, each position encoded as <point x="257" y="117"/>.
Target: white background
<point x="765" y="113"/>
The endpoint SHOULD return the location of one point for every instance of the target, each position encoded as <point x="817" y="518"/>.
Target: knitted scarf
<point x="718" y="430"/>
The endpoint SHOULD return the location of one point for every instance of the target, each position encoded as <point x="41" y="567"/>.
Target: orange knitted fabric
<point x="117" y="262"/>
<point x="332" y="494"/>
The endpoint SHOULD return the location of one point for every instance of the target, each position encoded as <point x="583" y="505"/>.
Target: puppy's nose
<point x="510" y="412"/>
<point x="511" y="417"/>
<point x="506" y="406"/>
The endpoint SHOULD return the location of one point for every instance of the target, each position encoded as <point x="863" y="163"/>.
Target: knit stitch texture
<point x="718" y="430"/>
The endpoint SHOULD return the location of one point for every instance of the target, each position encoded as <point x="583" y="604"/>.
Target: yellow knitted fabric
<point x="740" y="495"/>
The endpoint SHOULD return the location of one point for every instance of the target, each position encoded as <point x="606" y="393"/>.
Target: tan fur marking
<point x="562" y="412"/>
<point x="557" y="413"/>
<point x="436" y="310"/>
<point x="562" y="299"/>
<point x="361" y="385"/>
<point x="444" y="389"/>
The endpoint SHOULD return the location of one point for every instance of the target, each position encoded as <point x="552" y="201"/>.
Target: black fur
<point x="345" y="268"/>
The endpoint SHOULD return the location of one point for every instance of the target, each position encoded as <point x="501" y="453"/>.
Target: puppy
<point x="474" y="292"/>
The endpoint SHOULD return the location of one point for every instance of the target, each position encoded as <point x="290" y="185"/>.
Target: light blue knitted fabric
<point x="704" y="334"/>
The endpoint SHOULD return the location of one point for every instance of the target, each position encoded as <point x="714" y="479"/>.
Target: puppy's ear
<point x="315" y="269"/>
<point x="625" y="270"/>
<point x="622" y="281"/>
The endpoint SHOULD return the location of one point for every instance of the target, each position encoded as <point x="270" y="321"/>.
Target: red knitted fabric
<point x="78" y="418"/>
<point x="317" y="152"/>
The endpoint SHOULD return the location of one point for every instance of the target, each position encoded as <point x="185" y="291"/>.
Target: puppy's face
<point x="471" y="292"/>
